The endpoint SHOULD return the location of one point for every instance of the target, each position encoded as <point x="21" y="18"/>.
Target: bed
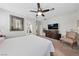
<point x="29" y="45"/>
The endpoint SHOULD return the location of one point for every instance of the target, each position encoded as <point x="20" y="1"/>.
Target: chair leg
<point x="74" y="44"/>
<point x="71" y="45"/>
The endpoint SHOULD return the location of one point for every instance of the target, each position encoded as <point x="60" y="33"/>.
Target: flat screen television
<point x="53" y="26"/>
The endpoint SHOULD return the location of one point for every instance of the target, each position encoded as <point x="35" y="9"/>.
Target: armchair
<point x="70" y="38"/>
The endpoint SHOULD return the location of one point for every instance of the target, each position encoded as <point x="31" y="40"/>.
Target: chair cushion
<point x="71" y="35"/>
<point x="68" y="40"/>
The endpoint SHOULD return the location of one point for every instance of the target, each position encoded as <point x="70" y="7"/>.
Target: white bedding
<point x="29" y="45"/>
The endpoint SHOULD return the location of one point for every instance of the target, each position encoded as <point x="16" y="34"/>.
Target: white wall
<point x="5" y="24"/>
<point x="77" y="25"/>
<point x="66" y="22"/>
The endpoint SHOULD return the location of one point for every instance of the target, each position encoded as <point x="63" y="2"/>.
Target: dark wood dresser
<point x="53" y="33"/>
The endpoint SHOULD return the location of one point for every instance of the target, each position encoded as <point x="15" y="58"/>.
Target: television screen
<point x="53" y="26"/>
<point x="50" y="26"/>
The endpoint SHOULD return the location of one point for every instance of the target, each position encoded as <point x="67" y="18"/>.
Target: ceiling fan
<point x="41" y="11"/>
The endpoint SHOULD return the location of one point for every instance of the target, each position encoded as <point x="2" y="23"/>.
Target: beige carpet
<point x="62" y="49"/>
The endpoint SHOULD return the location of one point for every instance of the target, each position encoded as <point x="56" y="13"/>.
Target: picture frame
<point x="16" y="23"/>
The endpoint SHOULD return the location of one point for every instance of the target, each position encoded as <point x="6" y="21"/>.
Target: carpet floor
<point x="62" y="49"/>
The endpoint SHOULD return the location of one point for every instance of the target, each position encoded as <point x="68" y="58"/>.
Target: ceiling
<point x="24" y="8"/>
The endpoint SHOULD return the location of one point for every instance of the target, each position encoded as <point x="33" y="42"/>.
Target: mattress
<point x="29" y="45"/>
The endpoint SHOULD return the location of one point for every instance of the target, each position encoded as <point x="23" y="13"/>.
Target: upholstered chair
<point x="70" y="38"/>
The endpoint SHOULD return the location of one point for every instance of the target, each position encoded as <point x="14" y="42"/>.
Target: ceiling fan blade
<point x="52" y="9"/>
<point x="33" y="11"/>
<point x="48" y="10"/>
<point x="43" y="15"/>
<point x="38" y="5"/>
<point x="45" y="10"/>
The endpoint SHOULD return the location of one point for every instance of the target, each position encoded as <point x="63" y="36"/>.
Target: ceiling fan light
<point x="39" y="13"/>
